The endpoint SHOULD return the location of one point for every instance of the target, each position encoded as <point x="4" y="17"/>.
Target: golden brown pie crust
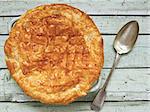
<point x="55" y="53"/>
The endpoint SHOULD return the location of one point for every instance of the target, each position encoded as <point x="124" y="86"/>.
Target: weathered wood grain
<point x="139" y="57"/>
<point x="106" y="24"/>
<point x="101" y="7"/>
<point x="140" y="106"/>
<point x="126" y="84"/>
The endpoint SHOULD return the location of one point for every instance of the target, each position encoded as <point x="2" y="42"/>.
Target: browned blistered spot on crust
<point x="59" y="51"/>
<point x="11" y="66"/>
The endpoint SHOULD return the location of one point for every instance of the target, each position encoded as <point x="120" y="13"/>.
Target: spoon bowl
<point x="126" y="37"/>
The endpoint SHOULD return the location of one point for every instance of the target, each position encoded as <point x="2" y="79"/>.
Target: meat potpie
<point x="55" y="53"/>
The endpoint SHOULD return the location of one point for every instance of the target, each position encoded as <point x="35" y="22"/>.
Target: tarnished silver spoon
<point x="123" y="43"/>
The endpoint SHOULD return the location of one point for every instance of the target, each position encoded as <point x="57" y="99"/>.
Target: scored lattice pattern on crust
<point x="55" y="53"/>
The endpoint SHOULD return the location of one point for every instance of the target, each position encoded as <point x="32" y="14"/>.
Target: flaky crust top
<point x="55" y="53"/>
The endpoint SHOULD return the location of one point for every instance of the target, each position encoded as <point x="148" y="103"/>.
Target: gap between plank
<point x="74" y="101"/>
<point x="110" y="68"/>
<point x="101" y="34"/>
<point x="142" y="15"/>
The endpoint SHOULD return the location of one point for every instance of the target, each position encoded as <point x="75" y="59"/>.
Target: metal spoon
<point x="123" y="43"/>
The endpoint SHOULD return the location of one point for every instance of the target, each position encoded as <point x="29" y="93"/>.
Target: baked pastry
<point x="55" y="53"/>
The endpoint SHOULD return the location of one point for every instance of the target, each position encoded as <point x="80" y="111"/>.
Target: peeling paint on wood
<point x="116" y="91"/>
<point x="129" y="83"/>
<point x="140" y="106"/>
<point x="139" y="57"/>
<point x="101" y="7"/>
<point x="106" y="24"/>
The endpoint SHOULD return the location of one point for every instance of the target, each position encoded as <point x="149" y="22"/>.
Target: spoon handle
<point x="98" y="101"/>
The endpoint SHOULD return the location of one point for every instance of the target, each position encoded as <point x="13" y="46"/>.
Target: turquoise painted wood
<point x="130" y="84"/>
<point x="101" y="7"/>
<point x="106" y="24"/>
<point x="140" y="106"/>
<point x="126" y="84"/>
<point x="137" y="58"/>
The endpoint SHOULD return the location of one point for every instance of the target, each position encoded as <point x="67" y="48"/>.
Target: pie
<point x="55" y="53"/>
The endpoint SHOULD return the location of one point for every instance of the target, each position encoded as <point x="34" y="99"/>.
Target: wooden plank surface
<point x="101" y="7"/>
<point x="140" y="106"/>
<point x="139" y="57"/>
<point x="126" y="84"/>
<point x="130" y="82"/>
<point x="106" y="24"/>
